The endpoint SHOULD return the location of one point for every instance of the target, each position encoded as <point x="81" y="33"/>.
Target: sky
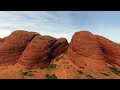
<point x="62" y="23"/>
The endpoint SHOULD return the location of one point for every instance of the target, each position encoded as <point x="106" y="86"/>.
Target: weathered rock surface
<point x="111" y="51"/>
<point x="12" y="47"/>
<point x="60" y="46"/>
<point x="85" y="52"/>
<point x="41" y="50"/>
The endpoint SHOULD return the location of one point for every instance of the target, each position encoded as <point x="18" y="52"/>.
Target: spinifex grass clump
<point x="90" y="77"/>
<point x="114" y="70"/>
<point x="53" y="76"/>
<point x="79" y="71"/>
<point x="106" y="74"/>
<point x="27" y="73"/>
<point x="50" y="67"/>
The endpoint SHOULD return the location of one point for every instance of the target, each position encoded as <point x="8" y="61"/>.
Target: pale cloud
<point x="60" y="23"/>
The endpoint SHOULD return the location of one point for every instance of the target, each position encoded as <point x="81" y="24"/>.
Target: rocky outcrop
<point x="32" y="50"/>
<point x="85" y="52"/>
<point x="13" y="46"/>
<point x="111" y="51"/>
<point x="41" y="50"/>
<point x="37" y="52"/>
<point x="60" y="46"/>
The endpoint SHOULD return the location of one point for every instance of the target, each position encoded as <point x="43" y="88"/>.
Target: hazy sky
<point x="62" y="23"/>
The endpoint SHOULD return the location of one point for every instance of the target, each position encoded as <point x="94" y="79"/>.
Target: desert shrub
<point x="76" y="76"/>
<point x="90" y="77"/>
<point x="30" y="73"/>
<point x="114" y="70"/>
<point x="79" y="71"/>
<point x="60" y="57"/>
<point x="50" y="67"/>
<point x="27" y="73"/>
<point x="53" y="76"/>
<point x="106" y="74"/>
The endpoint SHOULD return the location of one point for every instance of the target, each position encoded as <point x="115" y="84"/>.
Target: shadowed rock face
<point x="41" y="50"/>
<point x="12" y="47"/>
<point x="37" y="52"/>
<point x="60" y="46"/>
<point x="111" y="51"/>
<point x="86" y="53"/>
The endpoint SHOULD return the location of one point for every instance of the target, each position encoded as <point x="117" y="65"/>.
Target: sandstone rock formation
<point x="13" y="46"/>
<point x="41" y="50"/>
<point x="111" y="51"/>
<point x="30" y="49"/>
<point x="60" y="46"/>
<point x="37" y="52"/>
<point x="85" y="52"/>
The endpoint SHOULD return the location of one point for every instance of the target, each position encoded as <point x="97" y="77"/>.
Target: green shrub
<point x="90" y="77"/>
<point x="51" y="76"/>
<point x="105" y="74"/>
<point x="30" y="73"/>
<point x="76" y="76"/>
<point x="114" y="70"/>
<point x="27" y="73"/>
<point x="79" y="71"/>
<point x="50" y="67"/>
